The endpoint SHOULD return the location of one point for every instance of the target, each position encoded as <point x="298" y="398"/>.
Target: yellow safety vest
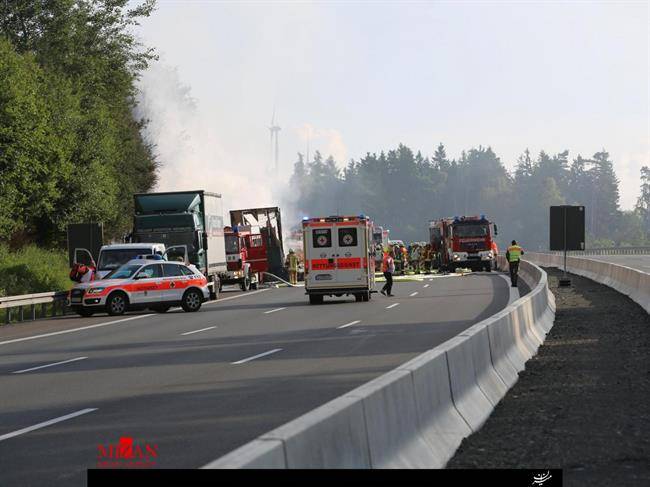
<point x="514" y="253"/>
<point x="293" y="262"/>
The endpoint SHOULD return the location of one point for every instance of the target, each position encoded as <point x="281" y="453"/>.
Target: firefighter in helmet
<point x="292" y="266"/>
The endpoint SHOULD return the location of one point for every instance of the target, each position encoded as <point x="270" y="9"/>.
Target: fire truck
<point x="339" y="257"/>
<point x="464" y="242"/>
<point x="246" y="257"/>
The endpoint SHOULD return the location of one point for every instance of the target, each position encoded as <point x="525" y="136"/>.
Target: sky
<point x="347" y="78"/>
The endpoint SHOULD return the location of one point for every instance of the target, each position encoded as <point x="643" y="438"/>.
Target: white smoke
<point x="189" y="148"/>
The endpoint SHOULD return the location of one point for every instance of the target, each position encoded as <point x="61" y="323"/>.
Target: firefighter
<point x="424" y="251"/>
<point x="495" y="253"/>
<point x="405" y="259"/>
<point x="397" y="259"/>
<point x="414" y="258"/>
<point x="292" y="265"/>
<point x="513" y="256"/>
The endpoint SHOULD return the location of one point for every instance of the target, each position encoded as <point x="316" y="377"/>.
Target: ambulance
<point x="339" y="257"/>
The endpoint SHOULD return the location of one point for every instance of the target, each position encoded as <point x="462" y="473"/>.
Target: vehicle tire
<point x="192" y="301"/>
<point x="488" y="267"/>
<point x="85" y="312"/>
<point x="117" y="304"/>
<point x="365" y="296"/>
<point x="315" y="299"/>
<point x="215" y="289"/>
<point x="358" y="298"/>
<point x="246" y="284"/>
<point x="161" y="309"/>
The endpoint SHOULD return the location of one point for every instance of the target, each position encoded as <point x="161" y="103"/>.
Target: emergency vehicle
<point x="464" y="242"/>
<point x="140" y="284"/>
<point x="339" y="257"/>
<point x="246" y="257"/>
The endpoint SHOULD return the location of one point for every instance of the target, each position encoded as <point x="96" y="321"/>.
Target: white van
<point x="339" y="257"/>
<point x="113" y="256"/>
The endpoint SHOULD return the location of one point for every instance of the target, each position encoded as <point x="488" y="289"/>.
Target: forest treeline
<point x="403" y="191"/>
<point x="70" y="147"/>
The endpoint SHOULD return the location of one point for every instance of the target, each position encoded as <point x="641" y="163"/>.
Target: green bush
<point x="33" y="270"/>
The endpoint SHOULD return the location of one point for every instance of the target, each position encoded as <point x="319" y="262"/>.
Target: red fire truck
<point x="246" y="257"/>
<point x="339" y="257"/>
<point x="464" y="242"/>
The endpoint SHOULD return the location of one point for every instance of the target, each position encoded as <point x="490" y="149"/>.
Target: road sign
<point x="567" y="228"/>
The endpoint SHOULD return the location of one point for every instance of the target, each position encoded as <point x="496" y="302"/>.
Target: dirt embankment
<point x="583" y="402"/>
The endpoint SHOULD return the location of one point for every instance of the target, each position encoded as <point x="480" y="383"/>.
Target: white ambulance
<point x="339" y="257"/>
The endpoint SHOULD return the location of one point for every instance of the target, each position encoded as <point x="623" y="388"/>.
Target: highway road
<point x="640" y="262"/>
<point x="198" y="385"/>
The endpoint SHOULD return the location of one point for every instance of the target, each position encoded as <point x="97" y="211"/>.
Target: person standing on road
<point x="292" y="264"/>
<point x="388" y="268"/>
<point x="513" y="256"/>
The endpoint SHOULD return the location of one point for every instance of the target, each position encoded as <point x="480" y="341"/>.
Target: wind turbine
<point x="275" y="129"/>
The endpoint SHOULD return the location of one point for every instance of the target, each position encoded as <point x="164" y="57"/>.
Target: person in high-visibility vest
<point x="513" y="256"/>
<point x="292" y="264"/>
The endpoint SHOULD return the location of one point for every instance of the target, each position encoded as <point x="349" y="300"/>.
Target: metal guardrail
<point x="57" y="300"/>
<point x="606" y="251"/>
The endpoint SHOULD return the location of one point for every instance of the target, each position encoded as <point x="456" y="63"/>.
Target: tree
<point x="643" y="202"/>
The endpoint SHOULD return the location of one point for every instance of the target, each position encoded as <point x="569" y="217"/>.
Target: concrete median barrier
<point x="441" y="425"/>
<point x="415" y="416"/>
<point x="332" y="436"/>
<point x="631" y="282"/>
<point x="256" y="454"/>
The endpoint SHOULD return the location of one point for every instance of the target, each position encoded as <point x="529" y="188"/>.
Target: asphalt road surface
<point x="197" y="385"/>
<point x="639" y="262"/>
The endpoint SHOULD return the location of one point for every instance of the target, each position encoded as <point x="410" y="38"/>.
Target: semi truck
<point x="463" y="242"/>
<point x="191" y="220"/>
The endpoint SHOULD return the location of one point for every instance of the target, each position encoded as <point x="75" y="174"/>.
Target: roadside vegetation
<point x="403" y="190"/>
<point x="32" y="270"/>
<point x="70" y="147"/>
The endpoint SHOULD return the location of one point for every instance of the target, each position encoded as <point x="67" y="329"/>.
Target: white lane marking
<point x="243" y="295"/>
<point x="72" y="330"/>
<point x="50" y="365"/>
<point x="413" y="294"/>
<point x="274" y="310"/>
<point x="514" y="292"/>
<point x="256" y="356"/>
<point x="426" y="285"/>
<point x="392" y="306"/>
<point x="349" y="324"/>
<point x="199" y="331"/>
<point x="46" y="423"/>
<point x="99" y="325"/>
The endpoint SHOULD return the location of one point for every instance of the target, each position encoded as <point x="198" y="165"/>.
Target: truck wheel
<point x="246" y="284"/>
<point x="192" y="301"/>
<point x="117" y="304"/>
<point x="365" y="297"/>
<point x="358" y="298"/>
<point x="216" y="288"/>
<point x="315" y="299"/>
<point x="488" y="267"/>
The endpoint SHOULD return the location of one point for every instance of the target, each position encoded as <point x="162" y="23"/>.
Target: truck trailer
<point x="192" y="220"/>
